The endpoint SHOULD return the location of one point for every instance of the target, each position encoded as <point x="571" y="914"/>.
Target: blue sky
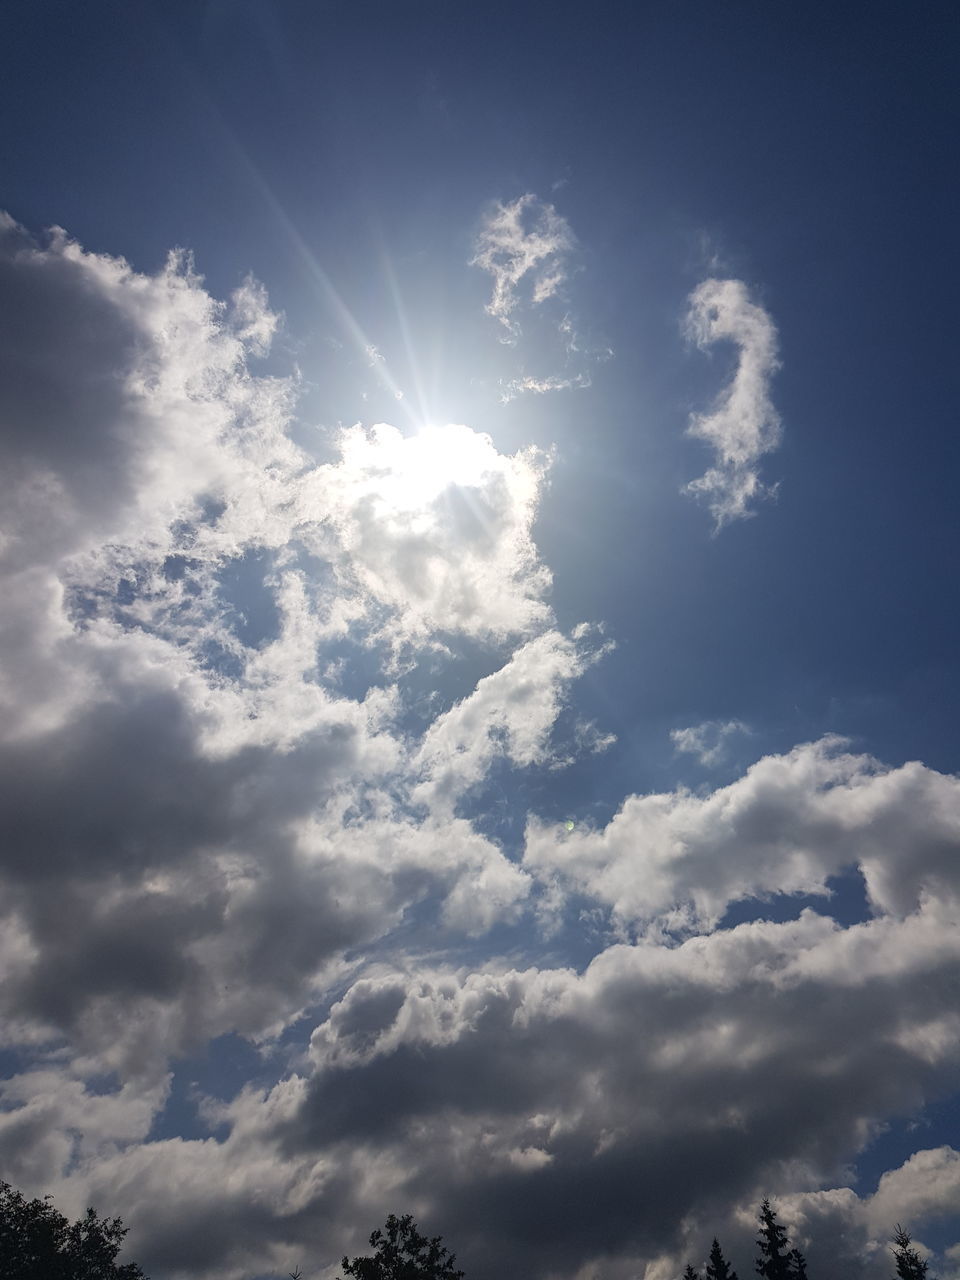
<point x="479" y="679"/>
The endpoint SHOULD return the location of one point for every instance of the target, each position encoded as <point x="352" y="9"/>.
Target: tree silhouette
<point x="910" y="1266"/>
<point x="38" y="1243"/>
<point x="400" y="1252"/>
<point x="690" y="1274"/>
<point x="718" y="1268"/>
<point x="774" y="1261"/>
<point x="798" y="1265"/>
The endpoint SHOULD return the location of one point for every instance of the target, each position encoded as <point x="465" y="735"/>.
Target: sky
<point x="479" y="679"/>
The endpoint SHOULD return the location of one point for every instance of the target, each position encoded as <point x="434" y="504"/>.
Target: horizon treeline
<point x="38" y="1243"/>
<point x="777" y="1260"/>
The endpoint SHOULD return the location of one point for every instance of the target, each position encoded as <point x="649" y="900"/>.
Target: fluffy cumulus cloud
<point x="257" y="711"/>
<point x="662" y="1090"/>
<point x="202" y="812"/>
<point x="788" y="825"/>
<point x="435" y="528"/>
<point x="743" y="424"/>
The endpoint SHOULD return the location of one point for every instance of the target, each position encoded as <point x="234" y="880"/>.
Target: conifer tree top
<point x="717" y="1267"/>
<point x="773" y="1260"/>
<point x="910" y="1266"/>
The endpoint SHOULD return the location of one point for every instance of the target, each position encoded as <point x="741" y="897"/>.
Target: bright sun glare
<point x="409" y="473"/>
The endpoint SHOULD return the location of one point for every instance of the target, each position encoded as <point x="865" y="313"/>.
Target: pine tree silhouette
<point x="773" y="1261"/>
<point x="910" y="1266"/>
<point x="718" y="1268"/>
<point x="798" y="1265"/>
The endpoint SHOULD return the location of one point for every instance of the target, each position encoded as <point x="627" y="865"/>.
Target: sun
<point x="407" y="473"/>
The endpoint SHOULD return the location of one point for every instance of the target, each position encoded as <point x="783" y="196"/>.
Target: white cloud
<point x="510" y="714"/>
<point x="220" y="814"/>
<point x="125" y="401"/>
<point x="749" y="1062"/>
<point x="706" y="741"/>
<point x="925" y="1187"/>
<point x="743" y="425"/>
<point x="524" y="242"/>
<point x="786" y="826"/>
<point x="199" y="824"/>
<point x="517" y="386"/>
<point x="529" y="250"/>
<point x="435" y="528"/>
<point x="847" y="1233"/>
<point x="50" y="1120"/>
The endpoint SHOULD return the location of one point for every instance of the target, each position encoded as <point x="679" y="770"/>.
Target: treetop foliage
<point x="400" y="1252"/>
<point x="774" y="1261"/>
<point x="910" y="1266"/>
<point x="798" y="1265"/>
<point x="39" y="1243"/>
<point x="717" y="1267"/>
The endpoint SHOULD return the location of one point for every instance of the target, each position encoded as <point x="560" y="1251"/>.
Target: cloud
<point x="924" y="1188"/>
<point x="852" y="1233"/>
<point x="525" y="242"/>
<point x="707" y="741"/>
<point x="125" y="401"/>
<point x="744" y="1062"/>
<point x="789" y="824"/>
<point x="743" y="425"/>
<point x="753" y="1061"/>
<point x="199" y="820"/>
<point x="433" y="528"/>
<point x="539" y="386"/>
<point x="50" y="1121"/>
<point x="509" y="715"/>
<point x="529" y="250"/>
<point x="253" y="710"/>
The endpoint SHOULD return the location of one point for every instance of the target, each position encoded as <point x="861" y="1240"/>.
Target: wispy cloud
<point x="743" y="424"/>
<point x="524" y="243"/>
<point x="539" y="386"/>
<point x="530" y="251"/>
<point x="706" y="741"/>
<point x="510" y="714"/>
